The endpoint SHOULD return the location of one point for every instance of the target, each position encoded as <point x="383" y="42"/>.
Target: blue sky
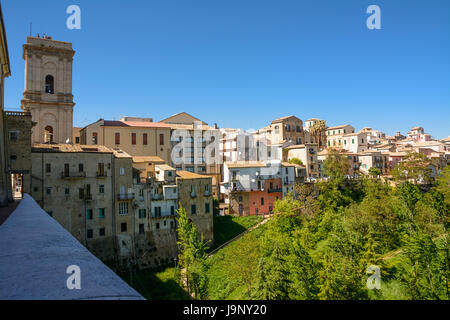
<point x="242" y="63"/>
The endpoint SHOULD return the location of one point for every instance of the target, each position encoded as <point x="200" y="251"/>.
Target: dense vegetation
<point x="228" y="227"/>
<point x="320" y="243"/>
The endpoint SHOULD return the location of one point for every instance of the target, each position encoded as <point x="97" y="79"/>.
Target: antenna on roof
<point x="31" y="29"/>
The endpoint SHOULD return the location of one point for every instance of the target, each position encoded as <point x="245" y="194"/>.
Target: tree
<point x="336" y="166"/>
<point x="317" y="131"/>
<point x="414" y="166"/>
<point x="295" y="161"/>
<point x="425" y="275"/>
<point x="192" y="257"/>
<point x="374" y="172"/>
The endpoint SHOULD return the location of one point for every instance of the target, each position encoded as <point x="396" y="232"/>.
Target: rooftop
<point x="190" y="175"/>
<point x="144" y="159"/>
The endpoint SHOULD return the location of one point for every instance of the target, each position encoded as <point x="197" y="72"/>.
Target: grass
<point x="228" y="227"/>
<point x="157" y="284"/>
<point x="223" y="286"/>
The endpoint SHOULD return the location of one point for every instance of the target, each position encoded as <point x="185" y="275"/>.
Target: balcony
<point x="35" y="252"/>
<point x="273" y="190"/>
<point x="103" y="174"/>
<point x="73" y="175"/>
<point x="207" y="193"/>
<point x="125" y="196"/>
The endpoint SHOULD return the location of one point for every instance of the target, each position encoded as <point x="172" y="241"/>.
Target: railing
<point x="272" y="190"/>
<point x="73" y="175"/>
<point x="125" y="196"/>
<point x="207" y="193"/>
<point x="102" y="174"/>
<point x="17" y="113"/>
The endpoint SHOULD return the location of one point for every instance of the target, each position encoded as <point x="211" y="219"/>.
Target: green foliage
<point x="192" y="257"/>
<point x="414" y="167"/>
<point x="296" y="161"/>
<point x="374" y="172"/>
<point x="228" y="227"/>
<point x="320" y="247"/>
<point x="336" y="166"/>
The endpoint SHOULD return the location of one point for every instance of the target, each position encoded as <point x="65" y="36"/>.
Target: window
<point x="49" y="84"/>
<point x="123" y="227"/>
<point x="141" y="228"/>
<point x="299" y="129"/>
<point x="207" y="209"/>
<point x="81" y="193"/>
<point x="157" y="225"/>
<point x="48" y="167"/>
<point x="101" y="213"/>
<point x="94" y="137"/>
<point x="13" y="135"/>
<point x="66" y="191"/>
<point x="101" y="169"/>
<point x="142" y="213"/>
<point x="101" y="188"/>
<point x="193" y="209"/>
<point x="80" y="167"/>
<point x="133" y="138"/>
<point x="122" y="171"/>
<point x="89" y="214"/>
<point x="157" y="212"/>
<point x="90" y="233"/>
<point x="117" y="138"/>
<point x="48" y="190"/>
<point x="262" y="201"/>
<point x="161" y="139"/>
<point x="123" y="208"/>
<point x="101" y="232"/>
<point x="50" y="213"/>
<point x="144" y="139"/>
<point x="240" y="198"/>
<point x="276" y="130"/>
<point x="77" y="139"/>
<point x="172" y="210"/>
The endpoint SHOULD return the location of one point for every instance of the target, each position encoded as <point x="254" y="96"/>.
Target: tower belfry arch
<point x="48" y="89"/>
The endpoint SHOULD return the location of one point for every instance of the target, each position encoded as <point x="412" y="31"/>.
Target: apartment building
<point x="417" y="134"/>
<point x="251" y="188"/>
<point x="373" y="137"/>
<point x="195" y="195"/>
<point x="195" y="147"/>
<point x="307" y="153"/>
<point x="375" y="159"/>
<point x="86" y="189"/>
<point x="284" y="130"/>
<point x="335" y="135"/>
<point x="19" y="143"/>
<point x="135" y="136"/>
<point x="353" y="142"/>
<point x="5" y="71"/>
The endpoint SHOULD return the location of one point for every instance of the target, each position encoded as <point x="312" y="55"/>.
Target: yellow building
<point x="135" y="136"/>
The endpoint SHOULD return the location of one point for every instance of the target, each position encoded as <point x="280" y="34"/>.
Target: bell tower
<point x="48" y="89"/>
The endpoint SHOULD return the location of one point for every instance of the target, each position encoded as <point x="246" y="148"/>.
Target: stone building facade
<point x="48" y="89"/>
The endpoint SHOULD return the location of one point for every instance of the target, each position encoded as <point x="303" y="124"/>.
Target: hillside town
<point x="116" y="185"/>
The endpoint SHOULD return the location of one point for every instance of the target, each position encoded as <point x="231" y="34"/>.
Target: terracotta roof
<point x="337" y="127"/>
<point x="143" y="159"/>
<point x="168" y="120"/>
<point x="44" y="147"/>
<point x="190" y="175"/>
<point x="164" y="167"/>
<point x="284" y="118"/>
<point x="143" y="124"/>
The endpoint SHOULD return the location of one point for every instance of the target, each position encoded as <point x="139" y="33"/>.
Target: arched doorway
<point x="48" y="134"/>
